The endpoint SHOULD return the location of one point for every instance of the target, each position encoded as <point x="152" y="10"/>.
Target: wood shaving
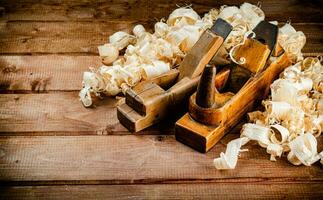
<point x="108" y="53"/>
<point x="292" y="119"/>
<point x="292" y="41"/>
<point x="228" y="160"/>
<point x="303" y="150"/>
<point x="183" y="16"/>
<point x="121" y="39"/>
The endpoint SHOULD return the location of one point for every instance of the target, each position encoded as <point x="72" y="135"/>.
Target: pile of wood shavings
<point x="150" y="54"/>
<point x="147" y="55"/>
<point x="291" y="122"/>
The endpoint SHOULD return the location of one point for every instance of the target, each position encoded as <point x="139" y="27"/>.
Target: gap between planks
<point x="167" y="191"/>
<point x="264" y="181"/>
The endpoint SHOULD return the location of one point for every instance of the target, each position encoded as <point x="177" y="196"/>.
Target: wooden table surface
<point x="51" y="147"/>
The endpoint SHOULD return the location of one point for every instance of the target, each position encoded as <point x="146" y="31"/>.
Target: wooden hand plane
<point x="151" y="101"/>
<point x="212" y="114"/>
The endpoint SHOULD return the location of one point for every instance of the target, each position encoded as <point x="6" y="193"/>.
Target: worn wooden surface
<point x="51" y="147"/>
<point x="200" y="54"/>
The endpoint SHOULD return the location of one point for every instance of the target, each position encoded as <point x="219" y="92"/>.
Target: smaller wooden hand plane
<point x="149" y="102"/>
<point x="212" y="114"/>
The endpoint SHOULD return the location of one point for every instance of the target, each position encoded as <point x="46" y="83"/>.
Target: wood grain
<point x="62" y="114"/>
<point x="206" y="89"/>
<point x="44" y="73"/>
<point x="297" y="190"/>
<point x="135" y="159"/>
<point x="201" y="53"/>
<point x="58" y="37"/>
<point x="83" y="37"/>
<point x="297" y="11"/>
<point x="72" y="10"/>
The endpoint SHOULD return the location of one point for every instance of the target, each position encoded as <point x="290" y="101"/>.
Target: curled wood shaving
<point x="292" y="119"/>
<point x="292" y="41"/>
<point x="108" y="53"/>
<point x="253" y="14"/>
<point x="183" y="16"/>
<point x="242" y="60"/>
<point x="139" y="30"/>
<point x="257" y="132"/>
<point x="156" y="68"/>
<point x="303" y="150"/>
<point x="120" y="39"/>
<point x="161" y="29"/>
<point x="228" y="160"/>
<point x="282" y="133"/>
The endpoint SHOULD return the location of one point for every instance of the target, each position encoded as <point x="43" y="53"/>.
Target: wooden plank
<point x="135" y="159"/>
<point x="168" y="191"/>
<point x="44" y="73"/>
<point x="62" y="114"/>
<point x="276" y="10"/>
<point x="58" y="37"/>
<point x="74" y="10"/>
<point x="84" y="37"/>
<point x="297" y="11"/>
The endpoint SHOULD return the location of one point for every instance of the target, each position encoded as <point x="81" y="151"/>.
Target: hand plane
<point x="211" y="113"/>
<point x="151" y="101"/>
